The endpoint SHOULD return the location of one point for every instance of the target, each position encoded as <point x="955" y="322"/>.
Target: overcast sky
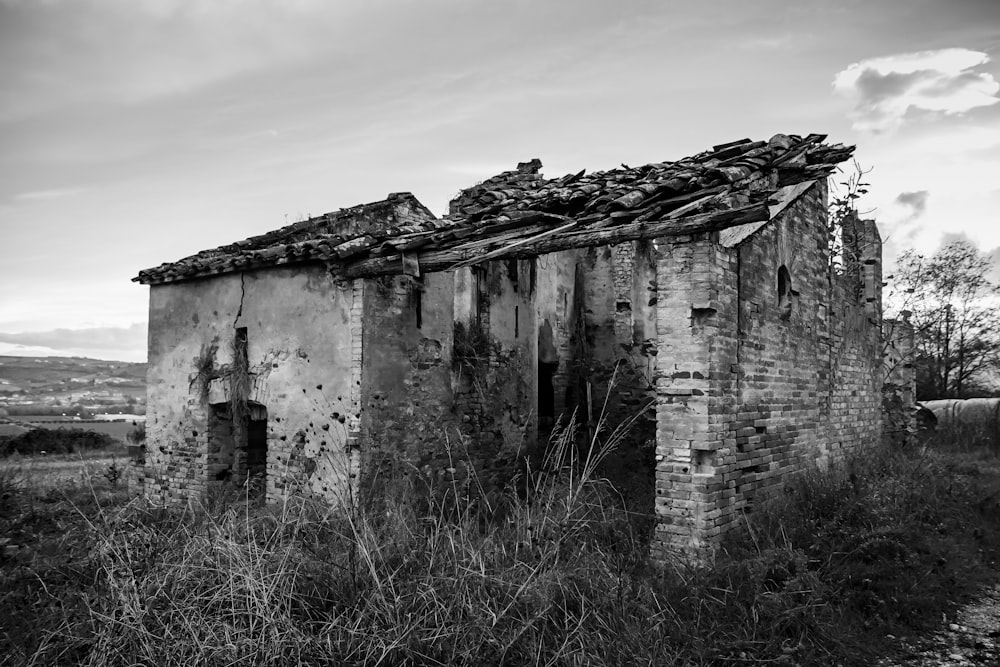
<point x="134" y="132"/>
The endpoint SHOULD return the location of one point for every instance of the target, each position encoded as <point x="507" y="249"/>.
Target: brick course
<point x="753" y="384"/>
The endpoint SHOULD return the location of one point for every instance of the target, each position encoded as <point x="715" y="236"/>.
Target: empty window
<point x="546" y="393"/>
<point x="417" y="299"/>
<point x="256" y="452"/>
<point x="784" y="292"/>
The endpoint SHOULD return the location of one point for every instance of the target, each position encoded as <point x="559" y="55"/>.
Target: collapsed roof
<point x="520" y="214"/>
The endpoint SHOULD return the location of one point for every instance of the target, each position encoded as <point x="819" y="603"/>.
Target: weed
<point x="137" y="435"/>
<point x="113" y="474"/>
<point x="553" y="571"/>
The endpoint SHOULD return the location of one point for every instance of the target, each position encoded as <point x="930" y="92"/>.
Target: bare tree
<point x="955" y="317"/>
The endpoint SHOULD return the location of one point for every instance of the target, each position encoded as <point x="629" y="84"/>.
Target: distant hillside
<point x="64" y="381"/>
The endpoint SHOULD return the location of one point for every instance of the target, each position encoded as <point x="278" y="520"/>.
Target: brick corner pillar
<point x="696" y="326"/>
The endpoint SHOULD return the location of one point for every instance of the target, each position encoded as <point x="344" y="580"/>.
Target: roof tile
<point x="520" y="213"/>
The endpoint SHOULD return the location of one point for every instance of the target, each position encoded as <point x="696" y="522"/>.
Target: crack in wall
<point x="243" y="293"/>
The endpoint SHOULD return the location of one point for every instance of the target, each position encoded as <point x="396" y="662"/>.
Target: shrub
<point x="137" y="435"/>
<point x="55" y="441"/>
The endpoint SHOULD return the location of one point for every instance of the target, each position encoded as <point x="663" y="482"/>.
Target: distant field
<point x="117" y="430"/>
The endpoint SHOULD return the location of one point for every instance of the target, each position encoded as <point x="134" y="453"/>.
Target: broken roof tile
<point x="520" y="213"/>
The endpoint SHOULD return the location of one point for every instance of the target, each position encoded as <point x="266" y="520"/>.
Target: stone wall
<point x="495" y="367"/>
<point x="769" y="362"/>
<point x="558" y="317"/>
<point x="408" y="427"/>
<point x="696" y="383"/>
<point x="615" y="346"/>
<point x="899" y="389"/>
<point x="300" y="337"/>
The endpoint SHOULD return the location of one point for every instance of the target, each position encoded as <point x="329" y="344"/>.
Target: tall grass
<point x="554" y="572"/>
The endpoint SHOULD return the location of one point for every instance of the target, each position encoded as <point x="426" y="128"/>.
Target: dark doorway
<point x="548" y="364"/>
<point x="237" y="450"/>
<point x="256" y="449"/>
<point x="256" y="446"/>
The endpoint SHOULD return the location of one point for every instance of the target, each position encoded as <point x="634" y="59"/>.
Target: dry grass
<point x="60" y="471"/>
<point x="554" y="573"/>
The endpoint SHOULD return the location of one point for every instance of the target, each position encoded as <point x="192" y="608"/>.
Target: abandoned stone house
<point x="697" y="299"/>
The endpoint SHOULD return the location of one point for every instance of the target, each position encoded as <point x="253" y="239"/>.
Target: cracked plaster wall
<point x="407" y="423"/>
<point x="301" y="349"/>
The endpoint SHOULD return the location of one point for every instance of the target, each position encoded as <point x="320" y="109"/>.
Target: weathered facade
<point x="698" y="299"/>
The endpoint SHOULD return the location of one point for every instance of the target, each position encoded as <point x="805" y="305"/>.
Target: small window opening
<point x="517" y="323"/>
<point x="546" y="393"/>
<point x="418" y="300"/>
<point x="784" y="293"/>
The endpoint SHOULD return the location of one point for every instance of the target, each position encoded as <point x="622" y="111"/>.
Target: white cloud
<point x="915" y="201"/>
<point x="55" y="193"/>
<point x="101" y="342"/>
<point x="945" y="81"/>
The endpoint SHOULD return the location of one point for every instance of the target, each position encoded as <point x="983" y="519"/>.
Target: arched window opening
<point x="784" y="293"/>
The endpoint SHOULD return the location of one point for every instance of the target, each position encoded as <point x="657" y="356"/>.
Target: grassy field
<point x="59" y="471"/>
<point x="555" y="574"/>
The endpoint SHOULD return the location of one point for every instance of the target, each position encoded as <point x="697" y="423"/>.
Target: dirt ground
<point x="970" y="637"/>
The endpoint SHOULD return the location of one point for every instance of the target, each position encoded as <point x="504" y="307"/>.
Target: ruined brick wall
<point x="597" y="343"/>
<point x="856" y="367"/>
<point x="696" y="386"/>
<point x="615" y="337"/>
<point x="558" y="324"/>
<point x="298" y="323"/>
<point x="768" y="363"/>
<point x="899" y="388"/>
<point x="407" y="422"/>
<point x="615" y="345"/>
<point x="495" y="367"/>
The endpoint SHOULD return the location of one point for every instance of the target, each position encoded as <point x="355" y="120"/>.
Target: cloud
<point x="104" y="342"/>
<point x="80" y="54"/>
<point x="915" y="201"/>
<point x="885" y="89"/>
<point x="955" y="237"/>
<point x="55" y="193"/>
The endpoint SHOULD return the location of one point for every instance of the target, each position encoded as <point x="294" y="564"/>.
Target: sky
<point x="135" y="132"/>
